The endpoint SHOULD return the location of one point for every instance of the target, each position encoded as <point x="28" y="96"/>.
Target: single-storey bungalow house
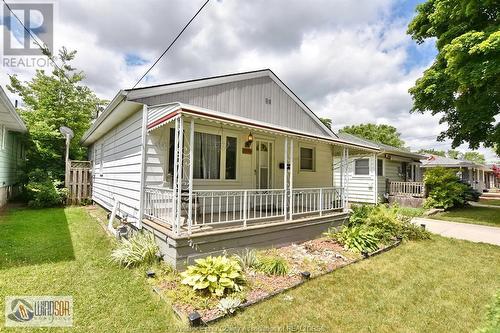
<point x="220" y="163"/>
<point x="12" y="154"/>
<point x="469" y="172"/>
<point x="491" y="180"/>
<point x="377" y="176"/>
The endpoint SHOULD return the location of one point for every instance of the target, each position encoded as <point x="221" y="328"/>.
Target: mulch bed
<point x="317" y="257"/>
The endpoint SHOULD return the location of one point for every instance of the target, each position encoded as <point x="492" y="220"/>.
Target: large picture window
<point x="362" y="167"/>
<point x="207" y="149"/>
<point x="306" y="159"/>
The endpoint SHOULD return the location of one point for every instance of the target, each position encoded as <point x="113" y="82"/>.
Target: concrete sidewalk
<point x="471" y="232"/>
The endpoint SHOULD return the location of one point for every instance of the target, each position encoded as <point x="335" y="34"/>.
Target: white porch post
<point x="191" y="161"/>
<point x="290" y="186"/>
<point x="345" y="177"/>
<point x="177" y="186"/>
<point x="144" y="147"/>
<point x="285" y="175"/>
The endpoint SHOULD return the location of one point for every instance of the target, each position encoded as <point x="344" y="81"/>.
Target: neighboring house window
<point x="101" y="160"/>
<point x="3" y="137"/>
<point x="231" y="154"/>
<point x="362" y="167"/>
<point x="207" y="153"/>
<point x="306" y="159"/>
<point x="380" y="167"/>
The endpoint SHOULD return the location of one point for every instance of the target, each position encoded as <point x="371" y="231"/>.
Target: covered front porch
<point x="207" y="172"/>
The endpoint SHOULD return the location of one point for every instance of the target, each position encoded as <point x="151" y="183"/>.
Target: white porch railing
<point x="159" y="204"/>
<point x="214" y="207"/>
<point x="413" y="189"/>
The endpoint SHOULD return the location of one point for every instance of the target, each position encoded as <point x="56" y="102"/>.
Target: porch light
<point x="249" y="141"/>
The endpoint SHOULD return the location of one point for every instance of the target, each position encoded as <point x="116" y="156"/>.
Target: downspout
<point x="144" y="146"/>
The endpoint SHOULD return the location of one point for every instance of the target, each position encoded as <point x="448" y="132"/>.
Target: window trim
<point x="101" y="160"/>
<point x="3" y="137"/>
<point x="369" y="169"/>
<point x="382" y="169"/>
<point x="313" y="149"/>
<point x="223" y="133"/>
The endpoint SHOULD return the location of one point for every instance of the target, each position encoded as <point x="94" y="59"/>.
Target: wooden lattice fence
<point x="78" y="182"/>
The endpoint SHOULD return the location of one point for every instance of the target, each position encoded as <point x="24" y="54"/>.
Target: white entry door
<point x="264" y="164"/>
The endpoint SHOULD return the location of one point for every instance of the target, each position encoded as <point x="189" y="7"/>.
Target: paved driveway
<point x="470" y="232"/>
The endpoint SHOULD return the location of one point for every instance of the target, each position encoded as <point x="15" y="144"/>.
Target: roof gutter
<point x="12" y="110"/>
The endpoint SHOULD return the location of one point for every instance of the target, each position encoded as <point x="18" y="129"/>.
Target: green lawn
<point x="492" y="202"/>
<point x="475" y="215"/>
<point x="441" y="285"/>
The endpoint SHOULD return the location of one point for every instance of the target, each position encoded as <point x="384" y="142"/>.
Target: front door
<point x="263" y="163"/>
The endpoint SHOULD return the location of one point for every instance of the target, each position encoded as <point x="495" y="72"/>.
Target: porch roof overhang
<point x="9" y="116"/>
<point x="165" y="113"/>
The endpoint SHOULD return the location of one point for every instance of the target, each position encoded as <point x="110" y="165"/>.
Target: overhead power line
<point x="171" y="44"/>
<point x="44" y="48"/>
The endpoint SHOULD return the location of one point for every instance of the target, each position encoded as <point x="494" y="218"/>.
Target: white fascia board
<point x="14" y="121"/>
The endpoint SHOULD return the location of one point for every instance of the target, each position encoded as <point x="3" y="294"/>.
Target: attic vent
<point x="268" y="100"/>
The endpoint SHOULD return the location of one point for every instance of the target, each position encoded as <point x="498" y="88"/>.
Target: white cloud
<point x="346" y="59"/>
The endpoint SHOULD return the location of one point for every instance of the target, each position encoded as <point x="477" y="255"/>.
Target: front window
<point x="306" y="159"/>
<point x="231" y="151"/>
<point x="362" y="167"/>
<point x="380" y="167"/>
<point x="207" y="149"/>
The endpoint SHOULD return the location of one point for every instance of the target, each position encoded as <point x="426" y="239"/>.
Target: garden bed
<point x="305" y="261"/>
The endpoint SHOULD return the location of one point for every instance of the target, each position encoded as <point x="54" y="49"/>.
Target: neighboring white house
<point x="374" y="176"/>
<point x="469" y="172"/>
<point x="12" y="154"/>
<point x="220" y="163"/>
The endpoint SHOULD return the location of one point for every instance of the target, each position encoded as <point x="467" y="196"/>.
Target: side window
<point x="380" y="167"/>
<point x="101" y="160"/>
<point x="362" y="167"/>
<point x="306" y="159"/>
<point x="3" y="135"/>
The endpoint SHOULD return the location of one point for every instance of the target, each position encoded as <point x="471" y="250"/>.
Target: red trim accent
<point x="163" y="119"/>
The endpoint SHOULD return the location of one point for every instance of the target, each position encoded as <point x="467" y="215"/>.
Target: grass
<point x="65" y="252"/>
<point x="441" y="285"/>
<point x="492" y="202"/>
<point x="474" y="215"/>
<point x="411" y="212"/>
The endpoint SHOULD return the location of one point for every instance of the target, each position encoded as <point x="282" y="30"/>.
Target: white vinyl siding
<point x="245" y="98"/>
<point x="361" y="187"/>
<point x="117" y="158"/>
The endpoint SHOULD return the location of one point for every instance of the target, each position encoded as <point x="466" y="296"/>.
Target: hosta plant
<point x="357" y="238"/>
<point x="217" y="275"/>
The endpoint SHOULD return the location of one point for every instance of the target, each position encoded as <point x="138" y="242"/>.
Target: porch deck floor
<point x="229" y="226"/>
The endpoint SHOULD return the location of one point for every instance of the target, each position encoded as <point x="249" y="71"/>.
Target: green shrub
<point x="43" y="191"/>
<point x="445" y="190"/>
<point x="357" y="238"/>
<point x="247" y="259"/>
<point x="216" y="275"/>
<point x="272" y="265"/>
<point x="410" y="231"/>
<point x="141" y="248"/>
<point x="492" y="324"/>
<point x="359" y="213"/>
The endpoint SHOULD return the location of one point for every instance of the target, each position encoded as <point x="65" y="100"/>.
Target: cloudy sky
<point x="348" y="60"/>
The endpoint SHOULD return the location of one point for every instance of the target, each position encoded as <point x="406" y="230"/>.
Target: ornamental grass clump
<point x="356" y="238"/>
<point x="140" y="249"/>
<point x="216" y="275"/>
<point x="272" y="265"/>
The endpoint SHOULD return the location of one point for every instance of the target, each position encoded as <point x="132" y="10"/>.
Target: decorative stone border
<point x="194" y="319"/>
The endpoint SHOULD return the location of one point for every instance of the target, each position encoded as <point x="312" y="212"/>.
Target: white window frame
<point x="369" y="169"/>
<point x="223" y="133"/>
<point x="313" y="148"/>
<point x="3" y="137"/>
<point x="101" y="160"/>
<point x="382" y="169"/>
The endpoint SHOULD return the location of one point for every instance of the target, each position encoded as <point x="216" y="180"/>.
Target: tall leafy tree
<point x="49" y="102"/>
<point x="474" y="156"/>
<point x="454" y="154"/>
<point x="327" y="122"/>
<point x="386" y="134"/>
<point x="463" y="83"/>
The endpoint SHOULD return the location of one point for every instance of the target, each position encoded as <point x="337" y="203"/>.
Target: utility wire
<point x="171" y="44"/>
<point x="44" y="48"/>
